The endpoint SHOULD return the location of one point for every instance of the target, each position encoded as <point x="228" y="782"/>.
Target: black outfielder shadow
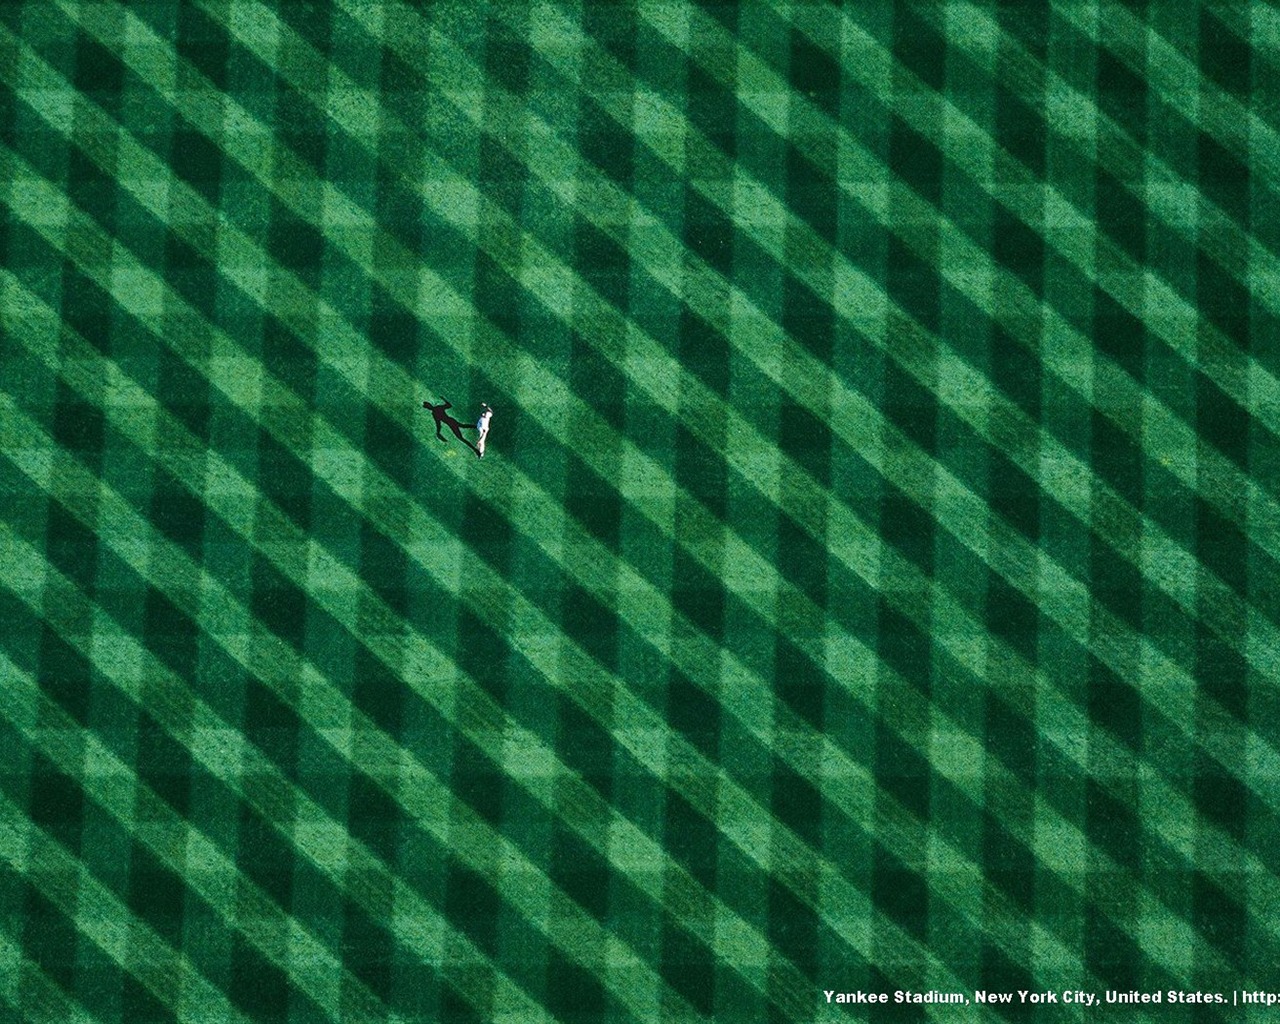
<point x="441" y="415"/>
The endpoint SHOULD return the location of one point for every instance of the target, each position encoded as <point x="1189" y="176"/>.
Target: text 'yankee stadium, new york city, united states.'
<point x="1077" y="997"/>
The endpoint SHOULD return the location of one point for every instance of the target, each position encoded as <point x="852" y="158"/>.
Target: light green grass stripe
<point x="97" y="913"/>
<point x="347" y="97"/>
<point x="1078" y="122"/>
<point x="650" y="740"/>
<point x="426" y="799"/>
<point x="34" y="997"/>
<point x="409" y="38"/>
<point x="112" y="784"/>
<point x="221" y="749"/>
<point x="971" y="395"/>
<point x="1179" y="82"/>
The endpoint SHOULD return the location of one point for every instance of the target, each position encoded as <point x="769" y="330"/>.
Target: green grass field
<point x="869" y="586"/>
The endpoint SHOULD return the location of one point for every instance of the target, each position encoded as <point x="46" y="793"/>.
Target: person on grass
<point x="482" y="425"/>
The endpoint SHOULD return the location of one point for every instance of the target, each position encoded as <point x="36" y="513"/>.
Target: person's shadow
<point x="440" y="413"/>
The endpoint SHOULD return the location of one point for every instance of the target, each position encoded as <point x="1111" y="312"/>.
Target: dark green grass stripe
<point x="217" y="746"/>
<point x="453" y="824"/>
<point x="202" y="867"/>
<point x="31" y="994"/>
<point x="1206" y="348"/>
<point x="1180" y="84"/>
<point x="1234" y="47"/>
<point x="91" y="907"/>
<point x="1175" y="571"/>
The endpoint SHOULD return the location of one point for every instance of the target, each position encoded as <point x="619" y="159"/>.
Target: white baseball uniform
<point x="482" y="425"/>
